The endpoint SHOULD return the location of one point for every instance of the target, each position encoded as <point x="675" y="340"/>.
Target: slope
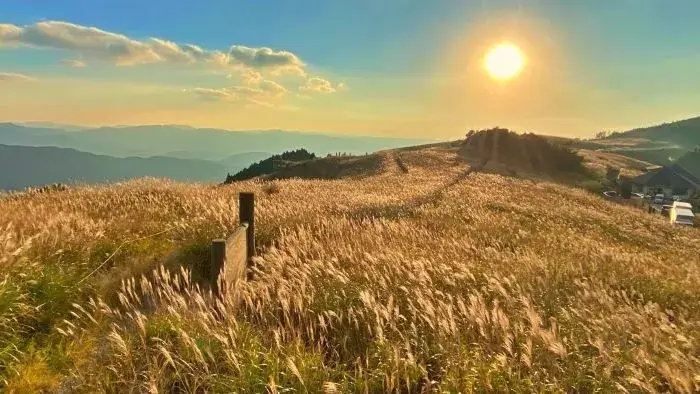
<point x="659" y="144"/>
<point x="500" y="285"/>
<point x="683" y="133"/>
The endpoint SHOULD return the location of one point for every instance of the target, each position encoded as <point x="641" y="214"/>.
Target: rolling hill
<point x="495" y="151"/>
<point x="659" y="144"/>
<point x="24" y="166"/>
<point x="414" y="281"/>
<point x="683" y="133"/>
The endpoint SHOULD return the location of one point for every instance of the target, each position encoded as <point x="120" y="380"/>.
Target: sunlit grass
<point x="497" y="284"/>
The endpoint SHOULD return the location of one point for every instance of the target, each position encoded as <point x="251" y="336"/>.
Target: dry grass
<point x="498" y="284"/>
<point x="600" y="160"/>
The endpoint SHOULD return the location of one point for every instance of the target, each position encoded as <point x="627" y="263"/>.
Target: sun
<point x="504" y="61"/>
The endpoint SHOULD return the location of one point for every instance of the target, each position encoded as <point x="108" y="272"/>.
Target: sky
<point x="405" y="68"/>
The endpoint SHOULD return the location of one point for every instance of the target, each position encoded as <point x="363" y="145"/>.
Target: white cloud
<point x="320" y="85"/>
<point x="75" y="63"/>
<point x="251" y="77"/>
<point x="15" y="77"/>
<point x="212" y="94"/>
<point x="9" y="33"/>
<point x="126" y="51"/>
<point x="272" y="88"/>
<point x="90" y="41"/>
<point x="266" y="59"/>
<point x="262" y="93"/>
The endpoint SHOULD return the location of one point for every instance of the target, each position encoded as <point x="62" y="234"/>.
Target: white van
<point x="684" y="205"/>
<point x="682" y="216"/>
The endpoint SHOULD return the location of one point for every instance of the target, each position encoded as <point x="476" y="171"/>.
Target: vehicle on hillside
<point x="639" y="195"/>
<point x="659" y="199"/>
<point x="666" y="210"/>
<point x="682" y="216"/>
<point x="682" y="204"/>
<point x="611" y="194"/>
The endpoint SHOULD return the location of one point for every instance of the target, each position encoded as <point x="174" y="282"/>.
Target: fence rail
<point x="231" y="258"/>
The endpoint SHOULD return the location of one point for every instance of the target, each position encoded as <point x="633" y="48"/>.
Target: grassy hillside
<point x="412" y="281"/>
<point x="685" y="133"/>
<point x="691" y="162"/>
<point x="658" y="144"/>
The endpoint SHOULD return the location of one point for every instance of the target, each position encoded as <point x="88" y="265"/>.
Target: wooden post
<point x="246" y="214"/>
<point x="218" y="256"/>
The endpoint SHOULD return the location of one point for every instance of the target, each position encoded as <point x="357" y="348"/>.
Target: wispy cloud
<point x="15" y="77"/>
<point x="320" y="85"/>
<point x="264" y="93"/>
<point x="211" y="94"/>
<point x="75" y="63"/>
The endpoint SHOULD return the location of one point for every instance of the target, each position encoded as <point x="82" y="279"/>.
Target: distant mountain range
<point x="24" y="166"/>
<point x="34" y="154"/>
<point x="190" y="143"/>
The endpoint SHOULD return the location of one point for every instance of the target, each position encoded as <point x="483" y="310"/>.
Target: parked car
<point x="611" y="194"/>
<point x="659" y="199"/>
<point x="639" y="195"/>
<point x="682" y="216"/>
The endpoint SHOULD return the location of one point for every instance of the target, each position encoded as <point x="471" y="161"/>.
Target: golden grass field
<point x="379" y="284"/>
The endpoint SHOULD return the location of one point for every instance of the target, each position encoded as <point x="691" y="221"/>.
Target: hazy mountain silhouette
<point x="660" y="144"/>
<point x="237" y="162"/>
<point x="206" y="144"/>
<point x="52" y="125"/>
<point x="683" y="133"/>
<point x="24" y="166"/>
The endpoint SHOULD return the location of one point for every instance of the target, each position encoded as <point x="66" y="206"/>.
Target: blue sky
<point x="393" y="67"/>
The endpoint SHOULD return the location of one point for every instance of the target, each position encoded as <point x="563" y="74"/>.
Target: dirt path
<point x="437" y="194"/>
<point x="390" y="163"/>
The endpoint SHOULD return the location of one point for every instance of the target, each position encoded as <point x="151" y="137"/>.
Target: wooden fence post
<point x="246" y="214"/>
<point x="218" y="256"/>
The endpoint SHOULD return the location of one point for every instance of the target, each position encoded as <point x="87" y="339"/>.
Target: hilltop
<point x="683" y="133"/>
<point x="440" y="277"/>
<point x="496" y="150"/>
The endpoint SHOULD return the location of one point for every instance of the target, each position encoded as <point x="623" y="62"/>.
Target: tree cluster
<point x="271" y="164"/>
<point x="528" y="151"/>
<point x="607" y="134"/>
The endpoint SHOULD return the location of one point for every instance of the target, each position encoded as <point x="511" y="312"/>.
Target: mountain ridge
<point x="41" y="165"/>
<point x="205" y="143"/>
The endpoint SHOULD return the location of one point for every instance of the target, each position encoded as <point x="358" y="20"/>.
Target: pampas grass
<point x="496" y="285"/>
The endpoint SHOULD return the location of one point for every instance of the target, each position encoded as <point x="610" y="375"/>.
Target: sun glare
<point x="504" y="61"/>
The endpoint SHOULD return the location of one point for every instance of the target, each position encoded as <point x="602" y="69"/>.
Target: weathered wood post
<point x="246" y="214"/>
<point x="218" y="256"/>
